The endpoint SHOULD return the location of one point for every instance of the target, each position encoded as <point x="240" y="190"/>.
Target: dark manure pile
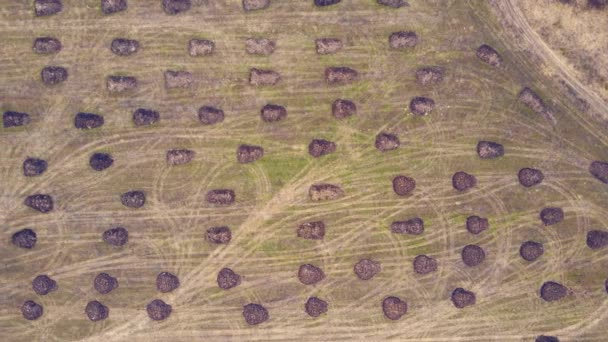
<point x="24" y="238"/>
<point x="413" y="226"/>
<point x="166" y="282"/>
<point x="325" y="192"/>
<point x="96" y="311"/>
<point x="462" y="181"/>
<point x="393" y="3"/>
<point x="260" y="46"/>
<point x="173" y="7"/>
<point x="263" y="77"/>
<point x="113" y="6"/>
<point x="314" y="230"/>
<point x="47" y="7"/>
<point x="366" y="269"/>
<point x="309" y="274"/>
<point x="551" y="215"/>
<point x="31" y="310"/>
<point x="178" y="79"/>
<point x="249" y="153"/>
<point x="227" y="279"/>
<point x="531" y="250"/>
<point x="219" y="235"/>
<point x="105" y="283"/>
<point x="47" y="45"/>
<point x="255" y="314"/>
<point x="386" y="142"/>
<point x="403" y="40"/>
<point x="43" y="285"/>
<point x="124" y="46"/>
<point x="462" y="298"/>
<point x="424" y="264"/>
<point x="200" y="47"/>
<point x="145" y="117"/>
<point x="552" y="291"/>
<point x="598" y="169"/>
<point x="341" y="75"/>
<point x="117" y="236"/>
<point x="529" y="177"/>
<point x="51" y="75"/>
<point x="221" y="196"/>
<point x="133" y="199"/>
<point x="254" y="5"/>
<point x="33" y="167"/>
<point x="315" y="307"/>
<point x="322" y="3"/>
<point x="394" y="307"/>
<point x="15" y="119"/>
<point x="342" y="108"/>
<point x="158" y="310"/>
<point x="321" y="147"/>
<point x="476" y="224"/>
<point x="88" y="120"/>
<point x="403" y="185"/>
<point x="100" y="161"/>
<point x="490" y="150"/>
<point x="544" y="338"/>
<point x="273" y="113"/>
<point x="597" y="239"/>
<point x="208" y="115"/>
<point x="429" y="75"/>
<point x="120" y="84"/>
<point x="473" y="255"/>
<point x="421" y="105"/>
<point x="40" y="202"/>
<point x="488" y="55"/>
<point x="327" y="46"/>
<point x="179" y="156"/>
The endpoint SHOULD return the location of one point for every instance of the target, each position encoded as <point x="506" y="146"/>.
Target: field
<point x="475" y="101"/>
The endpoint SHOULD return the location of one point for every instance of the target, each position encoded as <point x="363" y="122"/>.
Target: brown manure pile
<point x="173" y="7"/>
<point x="178" y="79"/>
<point x="488" y="55"/>
<point x="24" y="238"/>
<point x="424" y="264"/>
<point x="551" y="215"/>
<point x="221" y="196"/>
<point x="88" y="120"/>
<point x="321" y="147"/>
<point x="394" y="307"/>
<point x="473" y="255"/>
<point x="314" y="230"/>
<point x="124" y="46"/>
<point x="386" y="142"/>
<point x="263" y="77"/>
<point x="219" y="235"/>
<point x="598" y="169"/>
<point x="489" y="150"/>
<point x="200" y="47"/>
<point x="249" y="153"/>
<point x="133" y="199"/>
<point x="413" y="226"/>
<point x="260" y="46"/>
<point x="341" y="75"/>
<point x="462" y="298"/>
<point x="51" y="75"/>
<point x="403" y="39"/>
<point x="462" y="181"/>
<point x="47" y="45"/>
<point x="252" y="5"/>
<point x="105" y="283"/>
<point x="179" y="156"/>
<point x="15" y="119"/>
<point x="531" y="250"/>
<point x="529" y="177"/>
<point x="403" y="185"/>
<point x="429" y="75"/>
<point x="43" y="284"/>
<point x="476" y="224"/>
<point x="309" y="274"/>
<point x="158" y="310"/>
<point x="597" y="239"/>
<point x="342" y="108"/>
<point x="119" y="84"/>
<point x="421" y="105"/>
<point x="366" y="269"/>
<point x="113" y="6"/>
<point x="227" y="279"/>
<point x="31" y="310"/>
<point x="325" y="192"/>
<point x="47" y="7"/>
<point x="117" y="236"/>
<point x="326" y="46"/>
<point x="100" y="161"/>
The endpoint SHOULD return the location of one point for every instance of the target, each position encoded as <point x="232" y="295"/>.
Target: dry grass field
<point x="474" y="102"/>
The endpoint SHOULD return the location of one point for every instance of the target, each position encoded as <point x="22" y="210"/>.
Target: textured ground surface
<point x="475" y="102"/>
